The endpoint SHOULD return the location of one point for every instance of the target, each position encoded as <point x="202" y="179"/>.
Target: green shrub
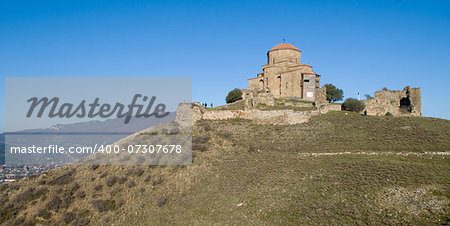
<point x="161" y="201"/>
<point x="73" y="187"/>
<point x="29" y="194"/>
<point x="147" y="178"/>
<point x="81" y="221"/>
<point x="65" y="178"/>
<point x="67" y="198"/>
<point x="44" y="214"/>
<point x="119" y="203"/>
<point x="226" y="134"/>
<point x="114" y="191"/>
<point x="111" y="180"/>
<point x="233" y="96"/>
<point x="200" y="147"/>
<point x="157" y="180"/>
<point x="122" y="179"/>
<point x="138" y="171"/>
<point x="67" y="217"/>
<point x="103" y="205"/>
<point x="352" y="104"/>
<point x="200" y="139"/>
<point x="54" y="203"/>
<point x="80" y="194"/>
<point x="94" y="167"/>
<point x="98" y="187"/>
<point x="131" y="184"/>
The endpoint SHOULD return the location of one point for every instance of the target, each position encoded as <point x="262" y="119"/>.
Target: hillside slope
<point x="337" y="167"/>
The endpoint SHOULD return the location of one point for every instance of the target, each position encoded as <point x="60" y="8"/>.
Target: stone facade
<point x="407" y="102"/>
<point x="285" y="76"/>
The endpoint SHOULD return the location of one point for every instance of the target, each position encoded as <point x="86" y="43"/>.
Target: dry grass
<point x="256" y="174"/>
<point x="238" y="105"/>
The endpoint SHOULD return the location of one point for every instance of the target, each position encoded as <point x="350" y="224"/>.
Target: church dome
<point x="284" y="46"/>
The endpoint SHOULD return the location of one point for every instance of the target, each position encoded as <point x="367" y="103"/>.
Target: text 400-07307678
<point x="142" y="148"/>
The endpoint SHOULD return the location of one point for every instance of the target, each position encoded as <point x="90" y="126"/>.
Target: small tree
<point x="234" y="95"/>
<point x="352" y="104"/>
<point x="369" y="97"/>
<point x="334" y="94"/>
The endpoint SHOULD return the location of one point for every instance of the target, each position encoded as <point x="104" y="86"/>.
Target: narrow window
<point x="306" y="80"/>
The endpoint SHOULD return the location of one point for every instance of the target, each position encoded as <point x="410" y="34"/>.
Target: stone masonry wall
<point x="260" y="117"/>
<point x="321" y="97"/>
<point x="407" y="102"/>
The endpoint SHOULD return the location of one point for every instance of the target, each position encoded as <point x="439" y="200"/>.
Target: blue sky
<point x="359" y="46"/>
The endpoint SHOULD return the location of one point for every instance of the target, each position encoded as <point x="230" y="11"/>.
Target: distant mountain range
<point x="77" y="134"/>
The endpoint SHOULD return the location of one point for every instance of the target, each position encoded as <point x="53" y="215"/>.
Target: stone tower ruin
<point x="407" y="102"/>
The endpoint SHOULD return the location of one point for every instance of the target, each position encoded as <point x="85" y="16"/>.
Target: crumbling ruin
<point x="407" y="102"/>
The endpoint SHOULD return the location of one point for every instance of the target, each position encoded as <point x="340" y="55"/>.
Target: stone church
<point x="285" y="76"/>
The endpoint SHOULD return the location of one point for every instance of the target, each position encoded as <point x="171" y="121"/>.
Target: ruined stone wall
<point x="253" y="97"/>
<point x="321" y="97"/>
<point x="330" y="107"/>
<point x="285" y="117"/>
<point x="198" y="112"/>
<point x="407" y="102"/>
<point x="416" y="100"/>
<point x="282" y="117"/>
<point x="322" y="103"/>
